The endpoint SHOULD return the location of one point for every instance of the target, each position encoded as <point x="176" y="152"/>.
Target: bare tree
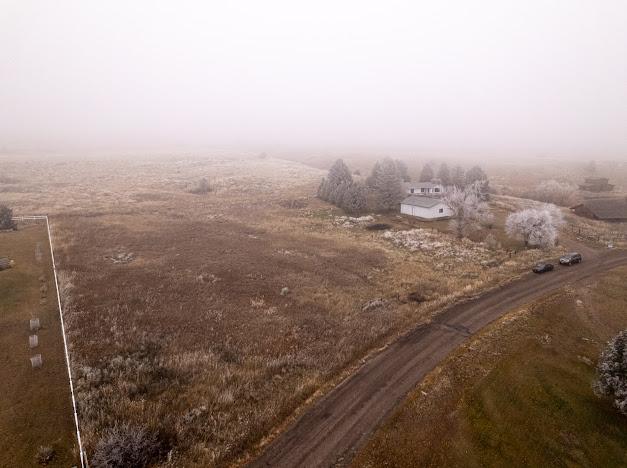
<point x="612" y="370"/>
<point x="469" y="210"/>
<point x="535" y="227"/>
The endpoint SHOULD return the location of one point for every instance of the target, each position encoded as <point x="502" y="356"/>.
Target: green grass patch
<point x="520" y="394"/>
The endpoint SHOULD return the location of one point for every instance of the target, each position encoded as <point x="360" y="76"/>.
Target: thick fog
<point x="493" y="77"/>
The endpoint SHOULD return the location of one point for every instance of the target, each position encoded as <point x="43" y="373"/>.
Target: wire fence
<point x="41" y="219"/>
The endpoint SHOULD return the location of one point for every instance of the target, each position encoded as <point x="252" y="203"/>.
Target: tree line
<point x="383" y="190"/>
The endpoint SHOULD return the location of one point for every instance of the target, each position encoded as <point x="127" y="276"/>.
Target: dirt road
<point x="330" y="432"/>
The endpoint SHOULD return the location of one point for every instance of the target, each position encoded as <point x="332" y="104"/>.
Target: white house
<point x="425" y="207"/>
<point x="426" y="188"/>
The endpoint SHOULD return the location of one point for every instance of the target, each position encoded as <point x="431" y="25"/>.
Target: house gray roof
<point x="422" y="201"/>
<point x="607" y="208"/>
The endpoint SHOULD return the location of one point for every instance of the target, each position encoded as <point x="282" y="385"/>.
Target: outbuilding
<point x="604" y="209"/>
<point x="425" y="207"/>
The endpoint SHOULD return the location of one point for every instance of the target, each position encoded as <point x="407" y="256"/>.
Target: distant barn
<point x="604" y="209"/>
<point x="596" y="184"/>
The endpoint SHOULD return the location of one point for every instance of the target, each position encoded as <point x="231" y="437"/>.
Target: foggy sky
<point x="534" y="77"/>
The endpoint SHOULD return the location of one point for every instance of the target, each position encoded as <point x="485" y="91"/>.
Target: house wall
<point x="427" y="213"/>
<point x="425" y="191"/>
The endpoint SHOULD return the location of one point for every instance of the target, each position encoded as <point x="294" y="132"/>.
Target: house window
<point x="441" y="210"/>
<point x="423" y="190"/>
<point x="411" y="190"/>
<point x="436" y="189"/>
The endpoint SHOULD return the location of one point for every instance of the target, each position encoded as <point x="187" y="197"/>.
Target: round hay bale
<point x="34" y="324"/>
<point x="36" y="361"/>
<point x="33" y="341"/>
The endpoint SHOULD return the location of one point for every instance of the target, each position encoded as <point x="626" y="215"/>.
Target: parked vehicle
<point x="571" y="258"/>
<point x="542" y="267"/>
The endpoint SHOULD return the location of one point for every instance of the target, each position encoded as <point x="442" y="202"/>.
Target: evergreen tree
<point x="337" y="193"/>
<point x="6" y="218"/>
<point x="427" y="173"/>
<point x="458" y="177"/>
<point x="338" y="174"/>
<point x="354" y="201"/>
<point x="385" y="182"/>
<point x="376" y="171"/>
<point x="444" y="175"/>
<point x="403" y="172"/>
<point x="323" y="190"/>
<point x="332" y="188"/>
<point x="475" y="174"/>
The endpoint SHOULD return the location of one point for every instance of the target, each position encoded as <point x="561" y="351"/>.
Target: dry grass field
<point x="36" y="418"/>
<point x="520" y="393"/>
<point x="207" y="320"/>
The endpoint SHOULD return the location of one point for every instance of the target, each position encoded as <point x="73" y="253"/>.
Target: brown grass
<point x="35" y="408"/>
<point x="192" y="339"/>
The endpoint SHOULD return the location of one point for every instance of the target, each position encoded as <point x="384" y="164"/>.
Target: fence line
<point x="83" y="456"/>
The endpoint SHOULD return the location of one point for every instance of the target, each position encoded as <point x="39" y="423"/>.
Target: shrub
<point x="202" y="187"/>
<point x="44" y="455"/>
<point x="125" y="445"/>
<point x="6" y="218"/>
<point x="612" y="370"/>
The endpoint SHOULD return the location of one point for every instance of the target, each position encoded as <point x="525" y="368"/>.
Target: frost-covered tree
<point x="323" y="189"/>
<point x="535" y="227"/>
<point x="336" y="196"/>
<point x="332" y="187"/>
<point x="444" y="174"/>
<point x="458" y="177"/>
<point x="385" y="184"/>
<point x="339" y="174"/>
<point x="355" y="201"/>
<point x="427" y="173"/>
<point x="475" y="175"/>
<point x="402" y="170"/>
<point x="469" y="210"/>
<point x="6" y="218"/>
<point x="612" y="370"/>
<point x="553" y="191"/>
